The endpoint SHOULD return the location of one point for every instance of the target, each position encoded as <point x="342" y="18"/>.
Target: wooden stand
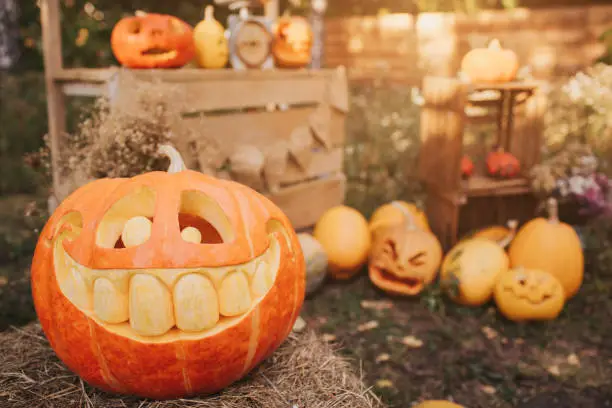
<point x="455" y="206"/>
<point x="312" y="101"/>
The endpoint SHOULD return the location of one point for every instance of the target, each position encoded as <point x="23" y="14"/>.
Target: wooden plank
<point x="442" y="125"/>
<point x="323" y="162"/>
<point x="305" y="203"/>
<point x="52" y="56"/>
<point x="189" y="74"/>
<point x="487" y="186"/>
<point x="84" y="89"/>
<point x="261" y="128"/>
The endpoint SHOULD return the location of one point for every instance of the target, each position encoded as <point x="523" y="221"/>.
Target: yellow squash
<point x="394" y="213"/>
<point x="469" y="271"/>
<point x="212" y="50"/>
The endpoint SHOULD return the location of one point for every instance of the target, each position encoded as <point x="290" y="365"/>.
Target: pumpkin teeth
<point x="158" y="301"/>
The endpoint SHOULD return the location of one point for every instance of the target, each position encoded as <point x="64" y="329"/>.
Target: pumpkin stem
<point x="176" y="161"/>
<point x="140" y="13"/>
<point x="209" y="12"/>
<point x="553" y="210"/>
<point x="512" y="226"/>
<point x="495" y="45"/>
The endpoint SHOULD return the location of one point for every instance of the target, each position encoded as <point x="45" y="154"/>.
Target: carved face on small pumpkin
<point x="293" y="42"/>
<point x="404" y="259"/>
<point x="199" y="276"/>
<point x="152" y="41"/>
<point x="529" y="294"/>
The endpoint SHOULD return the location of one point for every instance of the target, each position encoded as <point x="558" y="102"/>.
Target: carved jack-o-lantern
<point x="404" y="258"/>
<point x="152" y="41"/>
<point x="166" y="284"/>
<point x="293" y="42"/>
<point x="529" y="294"/>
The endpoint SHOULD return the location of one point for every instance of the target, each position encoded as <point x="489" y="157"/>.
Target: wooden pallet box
<point x="290" y="122"/>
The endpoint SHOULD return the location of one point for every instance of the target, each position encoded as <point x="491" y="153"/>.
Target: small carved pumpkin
<point x="404" y="258"/>
<point x="502" y="164"/>
<point x="469" y="271"/>
<point x="490" y="65"/>
<point x="292" y="43"/>
<point x="165" y="285"/>
<point x="467" y="167"/>
<point x="394" y="213"/>
<point x="343" y="232"/>
<point x="552" y="246"/>
<point x="529" y="294"/>
<point x="152" y="41"/>
<point x="212" y="49"/>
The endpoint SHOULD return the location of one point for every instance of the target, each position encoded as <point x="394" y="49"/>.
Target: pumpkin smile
<point x="159" y="52"/>
<point x="160" y="305"/>
<point x="409" y="282"/>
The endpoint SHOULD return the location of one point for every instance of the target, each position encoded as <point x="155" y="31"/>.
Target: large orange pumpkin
<point x="152" y="41"/>
<point x="166" y="285"/>
<point x="293" y="42"/>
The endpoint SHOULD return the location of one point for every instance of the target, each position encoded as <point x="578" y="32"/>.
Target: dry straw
<point x="304" y="373"/>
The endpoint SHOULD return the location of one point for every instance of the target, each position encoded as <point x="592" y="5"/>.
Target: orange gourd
<point x="438" y="404"/>
<point x="490" y="65"/>
<point x="529" y="294"/>
<point x="552" y="246"/>
<point x="467" y="167"/>
<point x="166" y="284"/>
<point x="152" y="41"/>
<point x="344" y="235"/>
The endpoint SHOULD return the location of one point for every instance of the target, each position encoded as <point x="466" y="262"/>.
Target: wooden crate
<point x="455" y="206"/>
<point x="261" y="109"/>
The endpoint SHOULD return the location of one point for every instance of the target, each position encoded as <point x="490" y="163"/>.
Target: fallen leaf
<point x="489" y="332"/>
<point x="504" y="340"/>
<point x="488" y="389"/>
<point x="573" y="359"/>
<point x="372" y="324"/>
<point x="328" y="337"/>
<point x="412" y="342"/>
<point x="300" y="325"/>
<point x="554" y="370"/>
<point x="382" y="358"/>
<point x="519" y="341"/>
<point x="3" y="280"/>
<point x="384" y="384"/>
<point x="376" y="304"/>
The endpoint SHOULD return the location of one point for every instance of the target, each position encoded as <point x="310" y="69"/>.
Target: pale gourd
<point x="212" y="50"/>
<point x="316" y="261"/>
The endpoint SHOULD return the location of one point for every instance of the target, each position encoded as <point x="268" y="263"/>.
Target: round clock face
<point x="253" y="43"/>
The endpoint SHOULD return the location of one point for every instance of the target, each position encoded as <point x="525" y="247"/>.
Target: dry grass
<point x="304" y="373"/>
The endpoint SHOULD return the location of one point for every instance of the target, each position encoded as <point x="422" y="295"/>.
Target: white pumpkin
<point x="316" y="261"/>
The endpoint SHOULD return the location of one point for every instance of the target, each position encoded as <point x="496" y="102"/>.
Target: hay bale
<point x="304" y="373"/>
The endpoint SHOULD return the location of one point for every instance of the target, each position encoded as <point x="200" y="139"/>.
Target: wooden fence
<point x="404" y="47"/>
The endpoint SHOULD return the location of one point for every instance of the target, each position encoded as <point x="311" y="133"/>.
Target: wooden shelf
<point x="101" y="75"/>
<point x="486" y="186"/>
<point x="508" y="86"/>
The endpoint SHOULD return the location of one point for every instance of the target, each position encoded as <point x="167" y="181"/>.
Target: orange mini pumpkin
<point x="490" y="65"/>
<point x="502" y="164"/>
<point x="404" y="258"/>
<point x="292" y="43"/>
<point x="467" y="167"/>
<point x="166" y="285"/>
<point x="152" y="41"/>
<point x="522" y="294"/>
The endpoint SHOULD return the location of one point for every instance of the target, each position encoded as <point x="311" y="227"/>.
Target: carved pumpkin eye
<point x="135" y="27"/>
